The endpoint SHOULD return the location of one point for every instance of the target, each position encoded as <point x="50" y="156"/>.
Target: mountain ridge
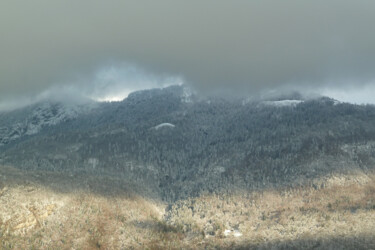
<point x="216" y="144"/>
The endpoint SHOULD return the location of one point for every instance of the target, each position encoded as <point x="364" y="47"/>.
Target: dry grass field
<point x="60" y="211"/>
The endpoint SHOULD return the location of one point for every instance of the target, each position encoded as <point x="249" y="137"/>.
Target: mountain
<point x="175" y="144"/>
<point x="170" y="169"/>
<point x="31" y="120"/>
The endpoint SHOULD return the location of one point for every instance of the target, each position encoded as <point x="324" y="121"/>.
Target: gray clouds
<point x="239" y="45"/>
<point x="107" y="84"/>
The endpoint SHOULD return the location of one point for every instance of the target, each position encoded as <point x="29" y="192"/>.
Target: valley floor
<point x="42" y="210"/>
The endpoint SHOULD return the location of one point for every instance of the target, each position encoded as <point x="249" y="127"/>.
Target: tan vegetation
<point x="35" y="216"/>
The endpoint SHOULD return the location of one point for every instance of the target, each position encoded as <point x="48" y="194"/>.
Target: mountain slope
<point x="167" y="169"/>
<point x="31" y="120"/>
<point x="215" y="145"/>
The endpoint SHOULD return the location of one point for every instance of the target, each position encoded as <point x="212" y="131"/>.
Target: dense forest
<point x="211" y="145"/>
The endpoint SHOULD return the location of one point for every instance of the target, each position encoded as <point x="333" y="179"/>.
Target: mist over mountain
<point x="187" y="125"/>
<point x="240" y="47"/>
<point x="177" y="144"/>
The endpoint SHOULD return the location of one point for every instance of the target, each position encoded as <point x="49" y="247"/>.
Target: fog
<point x="106" y="49"/>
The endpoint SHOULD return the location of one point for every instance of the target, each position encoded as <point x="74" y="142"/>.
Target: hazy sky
<point x="103" y="48"/>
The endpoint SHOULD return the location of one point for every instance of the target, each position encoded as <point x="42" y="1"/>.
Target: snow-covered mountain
<point x="31" y="120"/>
<point x="283" y="103"/>
<point x="177" y="144"/>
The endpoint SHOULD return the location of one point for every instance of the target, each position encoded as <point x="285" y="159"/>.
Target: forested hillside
<point x="210" y="144"/>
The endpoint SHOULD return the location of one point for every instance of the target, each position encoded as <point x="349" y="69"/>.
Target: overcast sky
<point x="104" y="48"/>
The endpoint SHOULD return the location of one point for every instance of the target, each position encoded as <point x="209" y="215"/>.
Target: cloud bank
<point x="111" y="83"/>
<point x="241" y="46"/>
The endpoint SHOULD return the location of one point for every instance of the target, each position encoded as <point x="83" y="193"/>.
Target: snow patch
<point x="164" y="125"/>
<point x="231" y="232"/>
<point x="237" y="233"/>
<point x="219" y="169"/>
<point x="46" y="114"/>
<point x="93" y="162"/>
<point x="186" y="95"/>
<point x="283" y="103"/>
<point x="227" y="232"/>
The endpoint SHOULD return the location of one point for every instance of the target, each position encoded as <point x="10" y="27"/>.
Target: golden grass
<point x="33" y="216"/>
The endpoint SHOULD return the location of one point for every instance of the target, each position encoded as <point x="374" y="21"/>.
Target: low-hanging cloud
<point x="114" y="83"/>
<point x="242" y="46"/>
<point x="110" y="83"/>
